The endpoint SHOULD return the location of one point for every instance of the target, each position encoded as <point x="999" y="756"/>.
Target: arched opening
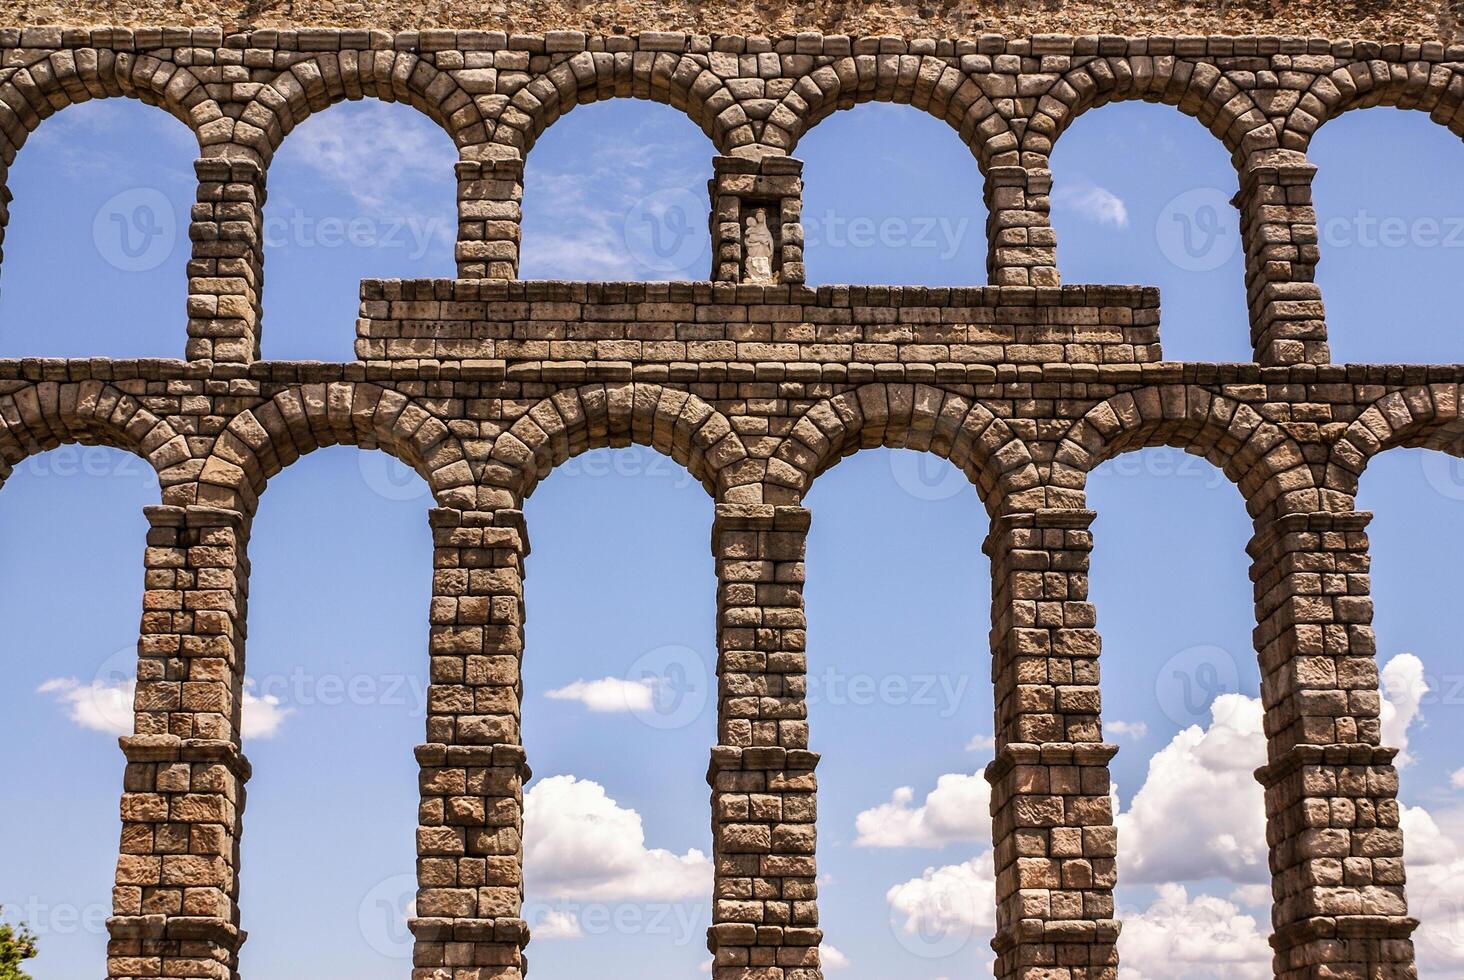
<point x="620" y="704"/>
<point x="362" y="190"/>
<point x="341" y="556"/>
<point x="1390" y="228"/>
<point x="96" y="248"/>
<point x="891" y="195"/>
<point x="70" y="594"/>
<point x="1416" y="497"/>
<point x="617" y="190"/>
<point x="900" y="705"/>
<point x="1181" y="700"/>
<point x="1141" y="194"/>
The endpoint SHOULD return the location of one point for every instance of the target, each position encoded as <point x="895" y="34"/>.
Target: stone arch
<point x="683" y="81"/>
<point x="1196" y="88"/>
<point x="961" y="100"/>
<point x="42" y="416"/>
<point x="669" y="420"/>
<point x="261" y="441"/>
<point x="1417" y="417"/>
<point x="1259" y="457"/>
<point x="910" y="416"/>
<point x="326" y="78"/>
<point x="31" y="94"/>
<point x="1422" y="85"/>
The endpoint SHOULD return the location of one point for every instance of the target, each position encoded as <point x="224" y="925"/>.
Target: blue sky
<point x="621" y="581"/>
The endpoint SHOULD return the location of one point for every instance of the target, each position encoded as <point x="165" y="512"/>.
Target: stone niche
<point x="756" y="220"/>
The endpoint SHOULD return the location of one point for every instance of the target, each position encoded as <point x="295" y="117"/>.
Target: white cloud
<point x="1133" y="729"/>
<point x="608" y="694"/>
<point x="958" y="809"/>
<point x="1204" y="938"/>
<point x="262" y="716"/>
<point x="1252" y="895"/>
<point x="831" y="958"/>
<point x="1403" y="687"/>
<point x="557" y="924"/>
<point x="580" y="843"/>
<point x="945" y="907"/>
<point x="981" y="743"/>
<point x="106" y="706"/>
<point x="1457" y="779"/>
<point x="1096" y="204"/>
<point x="1200" y="812"/>
<point x="377" y="153"/>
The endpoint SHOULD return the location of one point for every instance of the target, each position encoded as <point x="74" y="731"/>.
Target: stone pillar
<point x="470" y="834"/>
<point x="1279" y="228"/>
<point x="1021" y="246"/>
<point x="1331" y="808"/>
<point x="175" y="904"/>
<point x="765" y="913"/>
<point x="1053" y="821"/>
<point x="226" y="271"/>
<point x="490" y="215"/>
<point x="739" y="188"/>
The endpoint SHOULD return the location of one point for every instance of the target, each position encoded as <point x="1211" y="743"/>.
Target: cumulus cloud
<point x="958" y="809"/>
<point x="580" y="843"/>
<point x="1096" y="204"/>
<point x="1403" y="687"/>
<point x="557" y="924"/>
<point x="1200" y="812"/>
<point x="608" y="694"/>
<point x="377" y="153"/>
<point x="947" y="906"/>
<point x="106" y="706"/>
<point x="1200" y="938"/>
<point x="831" y="958"/>
<point x="1132" y="729"/>
<point x="981" y="743"/>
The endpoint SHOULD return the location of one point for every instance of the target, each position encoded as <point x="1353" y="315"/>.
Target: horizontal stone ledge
<point x="1015" y="754"/>
<point x="1299" y="757"/>
<point x="1343" y="927"/>
<point x="220" y="932"/>
<point x="1087" y="931"/>
<point x="171" y="748"/>
<point x="436" y="755"/>
<point x="759" y="517"/>
<point x="466" y="930"/>
<point x="761" y="759"/>
<point x="1271" y="539"/>
<point x="751" y="934"/>
<point x="194" y="515"/>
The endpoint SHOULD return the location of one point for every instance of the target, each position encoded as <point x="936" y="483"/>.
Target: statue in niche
<point x="757" y="245"/>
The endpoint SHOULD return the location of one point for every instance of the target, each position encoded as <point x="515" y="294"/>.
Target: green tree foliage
<point x="16" y="945"/>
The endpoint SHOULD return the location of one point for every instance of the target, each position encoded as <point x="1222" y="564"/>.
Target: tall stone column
<point x="768" y="192"/>
<point x="490" y="213"/>
<point x="175" y="903"/>
<point x="470" y="833"/>
<point x="1053" y="820"/>
<point x="1331" y="809"/>
<point x="1279" y="229"/>
<point x="226" y="271"/>
<point x="765" y="914"/>
<point x="1022" y="248"/>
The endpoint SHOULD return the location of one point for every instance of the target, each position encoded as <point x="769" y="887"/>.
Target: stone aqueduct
<point x="484" y="384"/>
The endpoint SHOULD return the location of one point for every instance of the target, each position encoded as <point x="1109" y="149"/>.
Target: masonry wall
<point x="484" y="384"/>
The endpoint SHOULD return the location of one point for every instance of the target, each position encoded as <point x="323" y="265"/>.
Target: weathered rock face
<point x="484" y="384"/>
<point x="1382" y="20"/>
